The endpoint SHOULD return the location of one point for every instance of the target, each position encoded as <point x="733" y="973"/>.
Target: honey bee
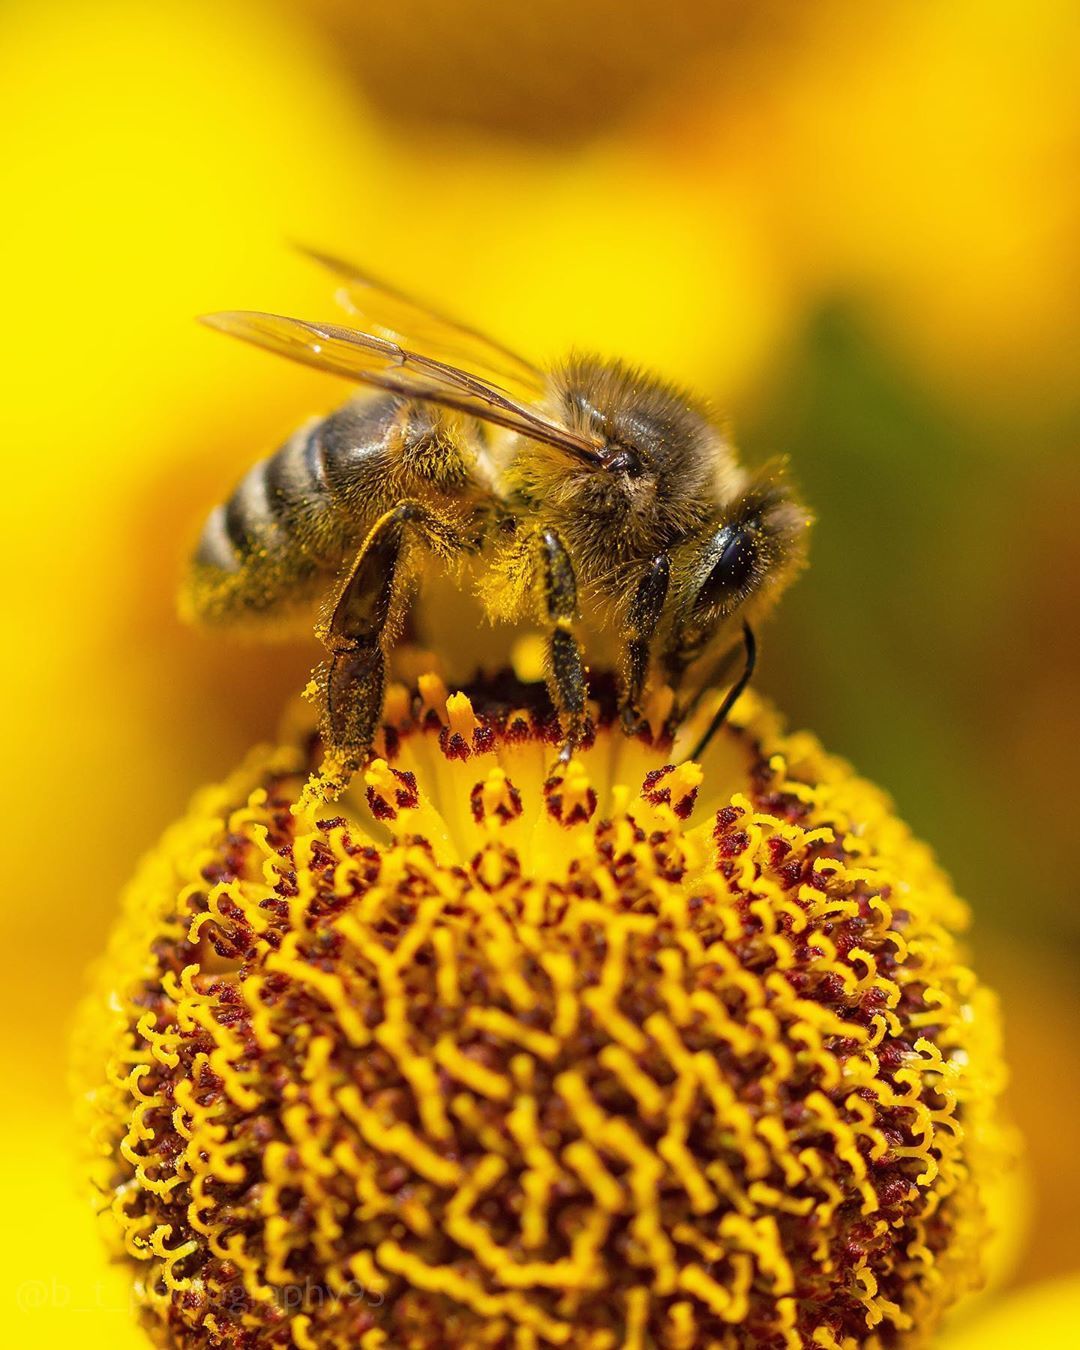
<point x="593" y="486"/>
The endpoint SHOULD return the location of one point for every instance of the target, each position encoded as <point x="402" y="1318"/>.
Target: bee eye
<point x="627" y="462"/>
<point x="735" y="551"/>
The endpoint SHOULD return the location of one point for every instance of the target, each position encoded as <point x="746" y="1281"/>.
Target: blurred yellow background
<point x="854" y="227"/>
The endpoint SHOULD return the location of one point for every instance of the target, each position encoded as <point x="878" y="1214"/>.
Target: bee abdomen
<point x="292" y="516"/>
<point x="263" y="505"/>
<point x="215" y="548"/>
<point x="295" y="478"/>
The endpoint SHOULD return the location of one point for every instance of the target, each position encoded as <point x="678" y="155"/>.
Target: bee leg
<point x="642" y="617"/>
<point x="721" y="714"/>
<point x="717" y="675"/>
<point x="365" y="612"/>
<point x="566" y="681"/>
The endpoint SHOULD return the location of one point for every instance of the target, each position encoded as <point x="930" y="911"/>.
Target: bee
<point x="590" y="487"/>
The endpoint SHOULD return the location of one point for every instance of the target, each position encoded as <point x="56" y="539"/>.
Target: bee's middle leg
<point x="365" y="614"/>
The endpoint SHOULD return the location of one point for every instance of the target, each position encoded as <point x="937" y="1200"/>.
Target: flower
<point x="635" y="1052"/>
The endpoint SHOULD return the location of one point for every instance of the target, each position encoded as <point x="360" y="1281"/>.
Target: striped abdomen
<point x="294" y="518"/>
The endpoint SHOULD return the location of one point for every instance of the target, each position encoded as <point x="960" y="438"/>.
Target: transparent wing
<point x="388" y="313"/>
<point x="386" y="365"/>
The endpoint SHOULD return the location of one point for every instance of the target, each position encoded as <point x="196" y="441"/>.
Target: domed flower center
<point x="636" y="1052"/>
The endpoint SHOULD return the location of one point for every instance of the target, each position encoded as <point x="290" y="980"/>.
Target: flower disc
<point x="639" y="1053"/>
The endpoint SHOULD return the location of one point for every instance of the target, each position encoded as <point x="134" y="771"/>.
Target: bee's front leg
<point x="364" y="617"/>
<point x="646" y="606"/>
<point x="557" y="585"/>
<point x="680" y="658"/>
<point x="732" y="696"/>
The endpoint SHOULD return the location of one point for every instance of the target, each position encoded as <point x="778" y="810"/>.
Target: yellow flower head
<point x="631" y="1055"/>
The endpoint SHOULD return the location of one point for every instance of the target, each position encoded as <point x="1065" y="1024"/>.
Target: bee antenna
<point x="721" y="714"/>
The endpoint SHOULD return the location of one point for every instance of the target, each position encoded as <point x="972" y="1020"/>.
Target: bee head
<point x="754" y="553"/>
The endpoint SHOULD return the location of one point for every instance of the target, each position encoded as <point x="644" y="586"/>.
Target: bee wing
<point x="386" y="365"/>
<point x="388" y="313"/>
